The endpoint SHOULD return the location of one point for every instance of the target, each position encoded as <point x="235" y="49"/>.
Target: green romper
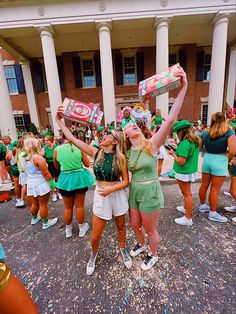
<point x="145" y="189"/>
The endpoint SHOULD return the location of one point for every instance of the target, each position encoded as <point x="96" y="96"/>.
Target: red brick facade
<point x="192" y="104"/>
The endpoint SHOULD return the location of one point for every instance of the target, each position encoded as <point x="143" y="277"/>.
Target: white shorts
<point x="162" y="153"/>
<point x="38" y="189"/>
<point x="186" y="177"/>
<point x="22" y="178"/>
<point x="115" y="204"/>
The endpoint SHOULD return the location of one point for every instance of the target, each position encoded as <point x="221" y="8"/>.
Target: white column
<point x="218" y="57"/>
<point x="162" y="59"/>
<point x="108" y="90"/>
<point x="52" y="76"/>
<point x="231" y="77"/>
<point x="34" y="117"/>
<point x="7" y="122"/>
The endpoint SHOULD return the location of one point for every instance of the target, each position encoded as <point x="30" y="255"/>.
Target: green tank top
<point x="49" y="153"/>
<point x="69" y="160"/>
<point x="103" y="170"/>
<point x="158" y="120"/>
<point x="142" y="165"/>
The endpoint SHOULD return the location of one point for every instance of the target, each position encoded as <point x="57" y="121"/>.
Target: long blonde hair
<point x="31" y="146"/>
<point x="117" y="160"/>
<point x="145" y="143"/>
<point x="219" y="126"/>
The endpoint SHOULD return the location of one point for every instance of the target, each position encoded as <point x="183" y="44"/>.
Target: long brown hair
<point x="117" y="160"/>
<point x="219" y="126"/>
<point x="187" y="133"/>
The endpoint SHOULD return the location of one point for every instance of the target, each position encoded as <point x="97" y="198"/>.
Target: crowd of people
<point x="130" y="154"/>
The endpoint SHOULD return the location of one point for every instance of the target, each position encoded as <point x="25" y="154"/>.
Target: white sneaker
<point x="137" y="250"/>
<point x="234" y="219"/>
<point x="183" y="221"/>
<point x="20" y="203"/>
<point x="149" y="262"/>
<point x="214" y="216"/>
<point x="231" y="209"/>
<point x="49" y="223"/>
<point x="35" y="220"/>
<point x="54" y="197"/>
<point x="59" y="196"/>
<point x="83" y="228"/>
<point x="204" y="208"/>
<point x="69" y="231"/>
<point x="18" y="200"/>
<point x="181" y="209"/>
<point x="91" y="264"/>
<point x="126" y="258"/>
<point x="227" y="194"/>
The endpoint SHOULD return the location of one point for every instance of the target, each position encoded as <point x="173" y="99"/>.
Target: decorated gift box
<point x="76" y="110"/>
<point x="160" y="83"/>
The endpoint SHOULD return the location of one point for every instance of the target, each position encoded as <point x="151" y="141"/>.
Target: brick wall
<point x="192" y="104"/>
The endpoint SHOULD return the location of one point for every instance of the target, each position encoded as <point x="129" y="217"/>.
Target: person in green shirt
<point x="185" y="166"/>
<point x="127" y="117"/>
<point x="156" y="120"/>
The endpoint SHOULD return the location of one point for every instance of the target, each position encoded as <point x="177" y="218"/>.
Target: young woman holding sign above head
<point x="110" y="198"/>
<point x="145" y="198"/>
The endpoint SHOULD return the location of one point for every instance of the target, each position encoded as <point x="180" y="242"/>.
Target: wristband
<point x="52" y="183"/>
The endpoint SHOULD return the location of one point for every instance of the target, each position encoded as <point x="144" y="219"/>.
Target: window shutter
<point x="97" y="66"/>
<point x="19" y="78"/>
<point x="119" y="69"/>
<point x="38" y="76"/>
<point x="27" y="121"/>
<point x="60" y="73"/>
<point x="183" y="58"/>
<point x="140" y="66"/>
<point x="200" y="66"/>
<point x="77" y="72"/>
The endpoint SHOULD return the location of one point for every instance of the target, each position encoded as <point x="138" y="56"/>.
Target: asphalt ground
<point x="195" y="272"/>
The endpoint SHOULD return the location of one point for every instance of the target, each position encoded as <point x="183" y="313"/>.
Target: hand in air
<point x="60" y="112"/>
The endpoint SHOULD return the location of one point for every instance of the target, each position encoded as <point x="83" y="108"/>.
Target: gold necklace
<point x="133" y="167"/>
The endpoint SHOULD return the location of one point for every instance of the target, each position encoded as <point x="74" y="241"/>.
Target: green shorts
<point x="215" y="164"/>
<point x="146" y="196"/>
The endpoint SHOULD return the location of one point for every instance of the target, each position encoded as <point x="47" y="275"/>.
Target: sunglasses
<point x="110" y="133"/>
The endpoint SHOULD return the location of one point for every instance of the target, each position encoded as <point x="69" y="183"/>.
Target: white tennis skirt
<point x="40" y="189"/>
<point x="22" y="178"/>
<point x="115" y="204"/>
<point x="186" y="177"/>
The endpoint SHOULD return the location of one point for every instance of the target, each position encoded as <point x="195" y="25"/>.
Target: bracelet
<point x="4" y="276"/>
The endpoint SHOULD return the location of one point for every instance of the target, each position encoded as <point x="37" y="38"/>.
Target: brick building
<point x="98" y="51"/>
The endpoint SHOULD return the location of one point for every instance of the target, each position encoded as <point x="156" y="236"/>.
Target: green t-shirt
<point x="190" y="152"/>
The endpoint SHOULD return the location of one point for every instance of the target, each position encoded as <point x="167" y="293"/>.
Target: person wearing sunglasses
<point x="110" y="198"/>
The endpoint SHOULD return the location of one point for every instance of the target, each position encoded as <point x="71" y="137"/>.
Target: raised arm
<point x="164" y="130"/>
<point x="91" y="151"/>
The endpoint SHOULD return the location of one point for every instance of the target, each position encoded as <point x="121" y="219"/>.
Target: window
<point x="129" y="66"/>
<point x="11" y="79"/>
<point x="88" y="73"/>
<point x="204" y="113"/>
<point x="19" y="121"/>
<point x="207" y="68"/>
<point x="172" y="59"/>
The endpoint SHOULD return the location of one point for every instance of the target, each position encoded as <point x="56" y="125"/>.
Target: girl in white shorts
<point x="110" y="198"/>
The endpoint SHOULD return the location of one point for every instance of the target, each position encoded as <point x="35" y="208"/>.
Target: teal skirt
<point x="73" y="180"/>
